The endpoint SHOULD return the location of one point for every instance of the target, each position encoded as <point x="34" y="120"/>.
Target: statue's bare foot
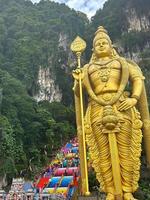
<point x="129" y="196"/>
<point x="110" y="196"/>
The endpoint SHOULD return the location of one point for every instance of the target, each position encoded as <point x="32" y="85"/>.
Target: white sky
<point x="87" y="6"/>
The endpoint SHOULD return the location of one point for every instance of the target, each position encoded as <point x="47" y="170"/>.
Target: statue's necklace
<point x="104" y="73"/>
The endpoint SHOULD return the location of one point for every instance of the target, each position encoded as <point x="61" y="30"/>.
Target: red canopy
<point x="42" y="182"/>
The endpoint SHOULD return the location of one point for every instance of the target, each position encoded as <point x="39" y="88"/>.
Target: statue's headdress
<point x="101" y="33"/>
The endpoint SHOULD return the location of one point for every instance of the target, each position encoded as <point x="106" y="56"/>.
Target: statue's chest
<point x="104" y="72"/>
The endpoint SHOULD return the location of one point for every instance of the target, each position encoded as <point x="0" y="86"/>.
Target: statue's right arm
<point x="77" y="74"/>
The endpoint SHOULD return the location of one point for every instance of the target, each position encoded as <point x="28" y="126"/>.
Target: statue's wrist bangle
<point x="135" y="96"/>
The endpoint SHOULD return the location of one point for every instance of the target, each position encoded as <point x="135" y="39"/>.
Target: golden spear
<point x="78" y="46"/>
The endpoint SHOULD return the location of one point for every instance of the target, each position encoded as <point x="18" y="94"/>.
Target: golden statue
<point x="111" y="125"/>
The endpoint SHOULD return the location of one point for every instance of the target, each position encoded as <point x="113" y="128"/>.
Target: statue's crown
<point x="101" y="33"/>
<point x="101" y="29"/>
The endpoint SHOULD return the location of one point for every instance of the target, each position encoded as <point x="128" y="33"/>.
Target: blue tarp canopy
<point x="66" y="181"/>
<point x="54" y="181"/>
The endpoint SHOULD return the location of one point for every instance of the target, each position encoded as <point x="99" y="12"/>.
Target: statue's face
<point x="102" y="48"/>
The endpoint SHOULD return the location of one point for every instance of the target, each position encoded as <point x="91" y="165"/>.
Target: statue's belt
<point x="107" y="96"/>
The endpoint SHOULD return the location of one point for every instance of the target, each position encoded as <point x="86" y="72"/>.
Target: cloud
<point x="87" y="6"/>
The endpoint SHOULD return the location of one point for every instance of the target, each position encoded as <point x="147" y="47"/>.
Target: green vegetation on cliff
<point x="29" y="36"/>
<point x="29" y="130"/>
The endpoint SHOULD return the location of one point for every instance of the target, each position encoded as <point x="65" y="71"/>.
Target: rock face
<point x="63" y="41"/>
<point x="137" y="22"/>
<point x="47" y="87"/>
<point x="135" y="56"/>
<point x="48" y="90"/>
<point x="3" y="181"/>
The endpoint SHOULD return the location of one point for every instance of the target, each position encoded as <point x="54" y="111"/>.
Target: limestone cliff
<point x="51" y="80"/>
<point x="47" y="88"/>
<point x="137" y="22"/>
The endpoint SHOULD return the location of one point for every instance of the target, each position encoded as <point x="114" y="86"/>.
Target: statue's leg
<point x="99" y="151"/>
<point x="126" y="162"/>
<point x="104" y="157"/>
<point x="129" y="146"/>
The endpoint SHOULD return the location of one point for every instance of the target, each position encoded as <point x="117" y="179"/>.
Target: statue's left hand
<point x="127" y="103"/>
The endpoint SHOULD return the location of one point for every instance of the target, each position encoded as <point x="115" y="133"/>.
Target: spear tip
<point x="78" y="45"/>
